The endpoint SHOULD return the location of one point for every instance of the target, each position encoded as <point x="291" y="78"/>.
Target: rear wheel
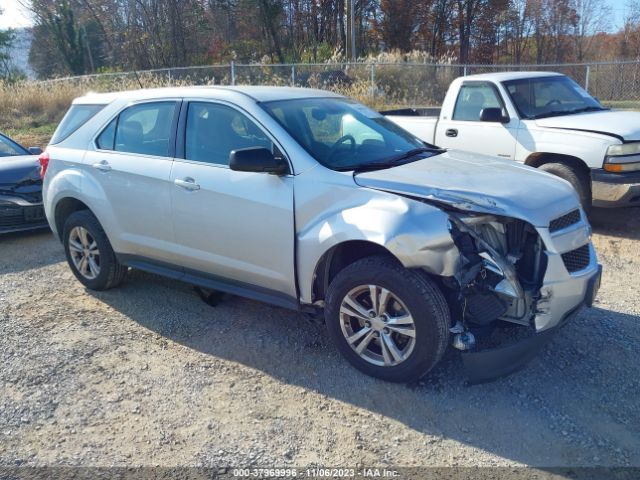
<point x="580" y="181"/>
<point x="89" y="252"/>
<point x="387" y="321"/>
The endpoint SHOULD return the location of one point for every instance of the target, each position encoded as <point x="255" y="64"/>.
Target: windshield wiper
<point x="411" y="153"/>
<point x="569" y="112"/>
<point x="391" y="161"/>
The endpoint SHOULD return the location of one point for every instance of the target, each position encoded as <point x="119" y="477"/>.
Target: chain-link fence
<point x="390" y="84"/>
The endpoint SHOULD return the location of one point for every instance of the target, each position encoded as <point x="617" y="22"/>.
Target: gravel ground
<point x="148" y="374"/>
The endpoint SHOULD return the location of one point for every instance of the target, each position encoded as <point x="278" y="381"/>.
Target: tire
<point x="408" y="290"/>
<point x="109" y="273"/>
<point x="581" y="183"/>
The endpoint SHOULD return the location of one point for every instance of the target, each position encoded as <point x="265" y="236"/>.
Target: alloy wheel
<point x="84" y="252"/>
<point x="377" y="325"/>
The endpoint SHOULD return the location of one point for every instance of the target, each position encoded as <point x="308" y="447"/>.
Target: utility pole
<point x="352" y="29"/>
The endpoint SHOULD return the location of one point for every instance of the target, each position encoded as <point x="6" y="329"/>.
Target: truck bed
<point x="421" y="122"/>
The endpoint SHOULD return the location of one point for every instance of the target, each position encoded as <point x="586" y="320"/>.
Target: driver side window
<point x="472" y="99"/>
<point x="213" y="131"/>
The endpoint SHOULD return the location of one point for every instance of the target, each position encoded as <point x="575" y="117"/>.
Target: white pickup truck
<point x="543" y="120"/>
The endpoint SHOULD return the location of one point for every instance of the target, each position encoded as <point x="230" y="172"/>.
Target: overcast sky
<point x="14" y="15"/>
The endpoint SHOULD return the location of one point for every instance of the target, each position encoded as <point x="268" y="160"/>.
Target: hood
<point x="479" y="183"/>
<point x="19" y="171"/>
<point x="624" y="125"/>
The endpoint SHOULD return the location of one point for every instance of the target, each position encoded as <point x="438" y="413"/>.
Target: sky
<point x="14" y="15"/>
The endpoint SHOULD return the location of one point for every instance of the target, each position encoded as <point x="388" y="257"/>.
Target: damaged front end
<point x="497" y="284"/>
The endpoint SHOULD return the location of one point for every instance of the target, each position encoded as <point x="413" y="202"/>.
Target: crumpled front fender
<point x="417" y="234"/>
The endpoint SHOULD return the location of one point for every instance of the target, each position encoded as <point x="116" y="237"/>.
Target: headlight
<point x="623" y="158"/>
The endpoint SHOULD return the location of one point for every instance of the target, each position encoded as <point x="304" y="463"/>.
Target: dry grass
<point x="30" y="111"/>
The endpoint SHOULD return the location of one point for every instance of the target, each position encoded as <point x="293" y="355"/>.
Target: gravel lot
<point x="148" y="374"/>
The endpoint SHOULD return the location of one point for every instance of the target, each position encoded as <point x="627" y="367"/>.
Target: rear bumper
<point x="486" y="365"/>
<point x="615" y="189"/>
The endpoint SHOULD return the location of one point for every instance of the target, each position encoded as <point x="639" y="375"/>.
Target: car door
<point x="465" y="131"/>
<point x="235" y="227"/>
<point x="132" y="164"/>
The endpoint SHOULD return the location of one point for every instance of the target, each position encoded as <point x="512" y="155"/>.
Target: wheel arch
<point x="538" y="159"/>
<point x="339" y="257"/>
<point x="64" y="208"/>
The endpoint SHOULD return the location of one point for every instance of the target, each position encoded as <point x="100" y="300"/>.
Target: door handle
<point x="452" y="132"/>
<point x="187" y="183"/>
<point x="103" y="166"/>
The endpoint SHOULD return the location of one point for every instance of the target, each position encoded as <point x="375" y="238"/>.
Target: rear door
<point x="465" y="131"/>
<point x="132" y="164"/>
<point x="232" y="226"/>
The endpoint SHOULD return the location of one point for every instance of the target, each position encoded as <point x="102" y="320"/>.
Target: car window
<point x="543" y="96"/>
<point x="9" y="148"/>
<point x="330" y="127"/>
<point x="342" y="134"/>
<point x="214" y="130"/>
<point x="75" y="117"/>
<point x="472" y="99"/>
<point x="144" y="129"/>
<point x="106" y="140"/>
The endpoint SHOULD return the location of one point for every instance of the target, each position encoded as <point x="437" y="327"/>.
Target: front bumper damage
<point x="497" y="286"/>
<point x="490" y="364"/>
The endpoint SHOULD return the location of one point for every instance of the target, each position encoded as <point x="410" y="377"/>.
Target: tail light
<point x="44" y="163"/>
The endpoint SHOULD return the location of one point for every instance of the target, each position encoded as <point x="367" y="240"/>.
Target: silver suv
<point x="309" y="200"/>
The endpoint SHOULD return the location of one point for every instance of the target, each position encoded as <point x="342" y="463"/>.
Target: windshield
<point x="9" y="148"/>
<point x="550" y="96"/>
<point x="344" y="135"/>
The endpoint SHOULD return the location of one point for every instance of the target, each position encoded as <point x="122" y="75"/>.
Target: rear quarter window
<point x="75" y="117"/>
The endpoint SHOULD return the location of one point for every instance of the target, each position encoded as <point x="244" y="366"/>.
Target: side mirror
<point x="257" y="159"/>
<point x="35" y="150"/>
<point x="493" y="115"/>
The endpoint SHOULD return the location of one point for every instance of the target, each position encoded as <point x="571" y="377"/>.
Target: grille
<point x="16" y="216"/>
<point x="564" y="221"/>
<point x="577" y="259"/>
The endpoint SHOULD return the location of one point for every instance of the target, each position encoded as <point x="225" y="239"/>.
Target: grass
<point x="30" y="111"/>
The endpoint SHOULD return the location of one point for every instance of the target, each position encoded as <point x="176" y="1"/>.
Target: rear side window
<point x="143" y="129"/>
<point x="75" y="117"/>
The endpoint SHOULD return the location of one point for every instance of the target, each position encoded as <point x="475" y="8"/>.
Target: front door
<point x="465" y="131"/>
<point x="231" y="225"/>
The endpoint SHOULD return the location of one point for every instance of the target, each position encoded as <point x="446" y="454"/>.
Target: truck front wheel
<point x="580" y="181"/>
<point x="387" y="321"/>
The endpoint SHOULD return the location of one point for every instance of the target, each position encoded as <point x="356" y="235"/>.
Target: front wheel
<point x="580" y="181"/>
<point x="387" y="321"/>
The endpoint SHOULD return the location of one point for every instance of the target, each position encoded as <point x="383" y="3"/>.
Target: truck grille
<point x="577" y="259"/>
<point x="565" y="221"/>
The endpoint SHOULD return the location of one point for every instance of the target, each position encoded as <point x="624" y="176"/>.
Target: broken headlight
<point x="498" y="272"/>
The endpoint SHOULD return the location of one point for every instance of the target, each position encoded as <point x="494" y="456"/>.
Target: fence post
<point x="233" y="72"/>
<point x="464" y="71"/>
<point x="586" y="80"/>
<point x="373" y="79"/>
<point x="293" y="75"/>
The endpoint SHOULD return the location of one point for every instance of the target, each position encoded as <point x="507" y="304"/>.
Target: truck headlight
<point x="623" y="158"/>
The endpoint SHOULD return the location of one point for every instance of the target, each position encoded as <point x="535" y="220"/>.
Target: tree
<point x="592" y="17"/>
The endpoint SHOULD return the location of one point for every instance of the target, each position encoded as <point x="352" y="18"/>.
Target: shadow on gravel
<point x="570" y="406"/>
<point x="617" y="222"/>
<point x="22" y="251"/>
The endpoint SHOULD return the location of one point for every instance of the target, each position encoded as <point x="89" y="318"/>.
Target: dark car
<point x="20" y="188"/>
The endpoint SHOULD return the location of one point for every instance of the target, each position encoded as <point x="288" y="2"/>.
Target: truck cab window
<point x="472" y="99"/>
